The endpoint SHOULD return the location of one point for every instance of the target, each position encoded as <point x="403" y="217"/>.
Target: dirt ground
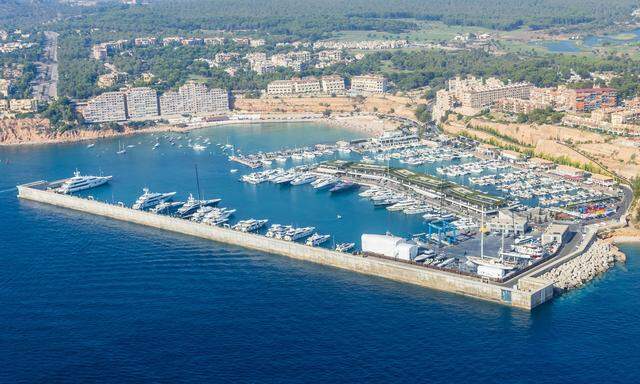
<point x="401" y="106"/>
<point x="621" y="155"/>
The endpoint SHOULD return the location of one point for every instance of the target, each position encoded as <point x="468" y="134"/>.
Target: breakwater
<point x="597" y="259"/>
<point x="527" y="293"/>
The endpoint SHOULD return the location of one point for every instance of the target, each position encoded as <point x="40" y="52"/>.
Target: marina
<point x="438" y="207"/>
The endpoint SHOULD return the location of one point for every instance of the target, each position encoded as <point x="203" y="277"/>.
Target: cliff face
<point x="38" y="131"/>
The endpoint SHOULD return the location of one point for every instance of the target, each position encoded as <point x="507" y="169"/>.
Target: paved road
<point x="45" y="86"/>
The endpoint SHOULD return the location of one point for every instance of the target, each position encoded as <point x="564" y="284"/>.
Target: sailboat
<point x="121" y="149"/>
<point x="491" y="266"/>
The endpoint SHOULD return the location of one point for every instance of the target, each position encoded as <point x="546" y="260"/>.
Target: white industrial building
<point x="390" y="246"/>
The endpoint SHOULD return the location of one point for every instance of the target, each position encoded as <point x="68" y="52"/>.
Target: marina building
<point x="142" y="102"/>
<point x="555" y="233"/>
<point x="389" y="246"/>
<point x="109" y="106"/>
<point x="369" y="84"/>
<point x="508" y="222"/>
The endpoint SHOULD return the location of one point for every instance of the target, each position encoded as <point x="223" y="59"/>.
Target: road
<point x="45" y="87"/>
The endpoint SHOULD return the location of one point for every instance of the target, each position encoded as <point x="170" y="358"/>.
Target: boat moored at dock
<point x="80" y="183"/>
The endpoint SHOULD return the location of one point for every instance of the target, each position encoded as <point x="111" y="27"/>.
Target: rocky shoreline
<point x="30" y="133"/>
<point x="599" y="258"/>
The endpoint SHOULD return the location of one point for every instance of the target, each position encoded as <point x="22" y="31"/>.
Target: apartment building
<point x="194" y="98"/>
<point x="513" y="105"/>
<point x="307" y="85"/>
<point x="589" y="99"/>
<point x="263" y="67"/>
<point x="280" y="88"/>
<point x="478" y="93"/>
<point x="470" y="96"/>
<point x="5" y="86"/>
<point x="369" y="84"/>
<point x="330" y="55"/>
<point x="144" y="41"/>
<point x="109" y="106"/>
<point x="99" y="52"/>
<point x="333" y="84"/>
<point x="141" y="102"/>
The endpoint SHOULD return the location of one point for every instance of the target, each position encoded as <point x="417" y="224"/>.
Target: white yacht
<point x="250" y="225"/>
<point x="79" y="183"/>
<point x="298" y="233"/>
<point x="199" y="147"/>
<point x="345" y="247"/>
<point x="317" y="239"/>
<point x="192" y="205"/>
<point x="151" y="199"/>
<point x="165" y="207"/>
<point x="325" y="182"/>
<point x="305" y="178"/>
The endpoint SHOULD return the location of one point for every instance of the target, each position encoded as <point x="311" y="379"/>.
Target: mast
<point x="482" y="234"/>
<point x="198" y="182"/>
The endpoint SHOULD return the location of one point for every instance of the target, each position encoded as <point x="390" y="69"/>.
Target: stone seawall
<point x="594" y="261"/>
<point x="529" y="292"/>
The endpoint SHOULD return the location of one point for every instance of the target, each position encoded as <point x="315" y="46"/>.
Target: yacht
<point x="79" y="183"/>
<point x="297" y="156"/>
<point x="156" y="146"/>
<point x="305" y="178"/>
<point x="250" y="225"/>
<point x="298" y="233"/>
<point x="165" y="206"/>
<point x="343" y="186"/>
<point x="285" y="178"/>
<point x="317" y="239"/>
<point x="192" y="205"/>
<point x="218" y="216"/>
<point x="325" y="182"/>
<point x="151" y="199"/>
<point x="345" y="247"/>
<point x="91" y="145"/>
<point x="198" y="147"/>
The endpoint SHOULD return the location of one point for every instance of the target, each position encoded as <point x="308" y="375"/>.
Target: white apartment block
<point x="369" y="84"/>
<point x="194" y="98"/>
<point x="23" y="105"/>
<point x="477" y="94"/>
<point x="109" y="106"/>
<point x="5" y="85"/>
<point x="280" y="88"/>
<point x="307" y="85"/>
<point x="330" y="56"/>
<point x="333" y="84"/>
<point x="263" y="67"/>
<point x="142" y="102"/>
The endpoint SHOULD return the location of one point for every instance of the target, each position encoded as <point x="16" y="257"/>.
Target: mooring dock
<point x="526" y="293"/>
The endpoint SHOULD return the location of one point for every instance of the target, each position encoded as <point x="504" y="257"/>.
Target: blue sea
<point x="88" y="299"/>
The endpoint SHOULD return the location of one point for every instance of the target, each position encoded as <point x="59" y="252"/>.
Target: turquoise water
<point x="570" y="46"/>
<point x="87" y="299"/>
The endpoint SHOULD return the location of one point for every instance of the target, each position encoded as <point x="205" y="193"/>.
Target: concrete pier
<point x="528" y="292"/>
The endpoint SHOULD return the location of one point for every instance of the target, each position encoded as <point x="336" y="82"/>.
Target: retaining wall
<point x="532" y="292"/>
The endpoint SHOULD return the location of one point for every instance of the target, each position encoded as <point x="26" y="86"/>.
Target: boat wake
<point x="9" y="190"/>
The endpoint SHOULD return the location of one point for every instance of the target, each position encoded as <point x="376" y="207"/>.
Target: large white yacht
<point x="151" y="199"/>
<point x="79" y="183"/>
<point x="192" y="205"/>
